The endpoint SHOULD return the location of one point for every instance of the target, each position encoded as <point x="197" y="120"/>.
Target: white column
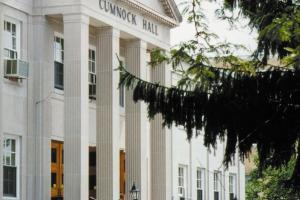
<point x="136" y="119"/>
<point x="40" y="84"/>
<point x="108" y="163"/>
<point x="76" y="152"/>
<point x="1" y="101"/>
<point x="160" y="141"/>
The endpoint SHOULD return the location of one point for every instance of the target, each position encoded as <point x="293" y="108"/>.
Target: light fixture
<point x="134" y="192"/>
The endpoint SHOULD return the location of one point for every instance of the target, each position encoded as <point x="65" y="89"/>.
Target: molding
<point x="76" y="18"/>
<point x="152" y="13"/>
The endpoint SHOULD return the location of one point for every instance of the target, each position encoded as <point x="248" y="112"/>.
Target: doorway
<point x="122" y="175"/>
<point x="57" y="170"/>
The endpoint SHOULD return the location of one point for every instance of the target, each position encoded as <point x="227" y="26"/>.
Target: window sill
<point x="10" y="198"/>
<point x="58" y="91"/>
<point x="122" y="111"/>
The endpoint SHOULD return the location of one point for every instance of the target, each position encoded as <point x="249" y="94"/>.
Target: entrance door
<point x="122" y="175"/>
<point x="57" y="170"/>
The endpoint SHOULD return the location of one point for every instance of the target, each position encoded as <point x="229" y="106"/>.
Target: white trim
<point x="233" y="184"/>
<point x="57" y="138"/>
<point x="60" y="36"/>
<point x="185" y="181"/>
<point x="203" y="181"/>
<point x="18" y="33"/>
<point x="217" y="184"/>
<point x="17" y="163"/>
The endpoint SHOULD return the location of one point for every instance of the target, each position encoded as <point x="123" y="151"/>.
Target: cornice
<point x="152" y="13"/>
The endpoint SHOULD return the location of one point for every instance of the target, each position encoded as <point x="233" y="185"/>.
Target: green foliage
<point x="276" y="21"/>
<point x="246" y="100"/>
<point x="272" y="184"/>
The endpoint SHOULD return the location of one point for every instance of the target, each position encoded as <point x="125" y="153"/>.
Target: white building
<point x="61" y="138"/>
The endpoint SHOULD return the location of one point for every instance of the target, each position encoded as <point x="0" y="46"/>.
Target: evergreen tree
<point x="246" y="101"/>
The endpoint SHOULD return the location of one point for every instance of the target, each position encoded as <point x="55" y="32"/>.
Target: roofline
<point x="176" y="10"/>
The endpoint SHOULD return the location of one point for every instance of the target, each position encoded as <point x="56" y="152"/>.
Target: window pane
<point x="14" y="43"/>
<point x="10" y="181"/>
<point x="13" y="159"/>
<point x="58" y="75"/>
<point x="7" y="146"/>
<point x="92" y="182"/>
<point x="13" y="31"/>
<point x="93" y="55"/>
<point x="7" y="160"/>
<point x="199" y="195"/>
<point x="216" y="195"/>
<point x="53" y="180"/>
<point x="92" y="159"/>
<point x="53" y="155"/>
<point x="13" y="55"/>
<point x="8" y="26"/>
<point x="13" y="145"/>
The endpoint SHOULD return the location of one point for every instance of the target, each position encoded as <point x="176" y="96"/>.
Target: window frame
<point x="183" y="178"/>
<point x="17" y="164"/>
<point x="61" y="37"/>
<point x="217" y="183"/>
<point x="232" y="184"/>
<point x="17" y="37"/>
<point x="92" y="48"/>
<point x="200" y="179"/>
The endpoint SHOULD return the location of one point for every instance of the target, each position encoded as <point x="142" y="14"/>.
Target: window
<point x="217" y="185"/>
<point x="10" y="42"/>
<point x="200" y="183"/>
<point x="92" y="74"/>
<point x="232" y="187"/>
<point x="181" y="183"/>
<point x="58" y="63"/>
<point x="10" y="167"/>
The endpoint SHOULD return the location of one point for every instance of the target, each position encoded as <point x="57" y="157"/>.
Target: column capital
<point x="136" y="43"/>
<point x="107" y="31"/>
<point x="76" y="18"/>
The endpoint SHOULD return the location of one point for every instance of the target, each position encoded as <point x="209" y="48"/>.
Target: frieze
<point x="128" y="16"/>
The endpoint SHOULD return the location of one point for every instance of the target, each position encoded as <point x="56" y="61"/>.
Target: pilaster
<point x="39" y="107"/>
<point x="1" y="101"/>
<point x="108" y="163"/>
<point x="76" y="152"/>
<point x="160" y="144"/>
<point x="136" y="119"/>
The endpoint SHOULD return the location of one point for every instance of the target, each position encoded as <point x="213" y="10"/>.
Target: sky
<point x="242" y="35"/>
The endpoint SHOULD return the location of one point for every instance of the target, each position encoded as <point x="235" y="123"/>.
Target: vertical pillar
<point x="135" y="122"/>
<point x="160" y="141"/>
<point x="1" y="101"/>
<point x="39" y="106"/>
<point x="108" y="162"/>
<point x="76" y="152"/>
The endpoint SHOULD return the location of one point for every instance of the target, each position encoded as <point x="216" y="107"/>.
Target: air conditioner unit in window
<point x="15" y="69"/>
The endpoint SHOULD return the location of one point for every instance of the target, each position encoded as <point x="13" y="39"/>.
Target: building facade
<point x="68" y="131"/>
